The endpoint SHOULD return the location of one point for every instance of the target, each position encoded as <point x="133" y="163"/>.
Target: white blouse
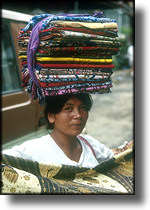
<point x="45" y="150"/>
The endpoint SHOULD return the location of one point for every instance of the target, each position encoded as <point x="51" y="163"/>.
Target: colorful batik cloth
<point x="69" y="53"/>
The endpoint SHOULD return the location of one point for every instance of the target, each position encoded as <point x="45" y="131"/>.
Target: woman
<point x="58" y="58"/>
<point x="66" y="115"/>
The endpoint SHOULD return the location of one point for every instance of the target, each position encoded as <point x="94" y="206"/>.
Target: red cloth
<point x="76" y="66"/>
<point x="52" y="65"/>
<point x="57" y="84"/>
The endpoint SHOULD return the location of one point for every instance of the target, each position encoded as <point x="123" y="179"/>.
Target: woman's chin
<point x="76" y="132"/>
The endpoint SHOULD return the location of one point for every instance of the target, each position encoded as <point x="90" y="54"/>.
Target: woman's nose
<point x="76" y="114"/>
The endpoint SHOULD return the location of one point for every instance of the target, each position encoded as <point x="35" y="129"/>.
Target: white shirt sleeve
<point x="101" y="151"/>
<point x="27" y="150"/>
<point x="18" y="151"/>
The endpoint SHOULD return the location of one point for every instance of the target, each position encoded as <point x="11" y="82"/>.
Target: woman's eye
<point x="83" y="107"/>
<point x="68" y="108"/>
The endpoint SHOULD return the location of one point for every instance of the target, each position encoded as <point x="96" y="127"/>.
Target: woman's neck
<point x="69" y="144"/>
<point x="64" y="141"/>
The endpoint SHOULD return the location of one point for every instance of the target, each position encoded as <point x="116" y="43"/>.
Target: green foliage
<point x="121" y="60"/>
<point x="127" y="30"/>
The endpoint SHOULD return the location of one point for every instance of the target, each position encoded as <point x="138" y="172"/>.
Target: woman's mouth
<point x="77" y="126"/>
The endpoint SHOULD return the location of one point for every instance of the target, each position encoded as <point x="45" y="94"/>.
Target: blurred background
<point x="111" y="118"/>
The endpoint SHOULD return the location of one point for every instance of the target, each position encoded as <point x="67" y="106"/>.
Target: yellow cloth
<point x="73" y="59"/>
<point x="85" y="24"/>
<point x="70" y="59"/>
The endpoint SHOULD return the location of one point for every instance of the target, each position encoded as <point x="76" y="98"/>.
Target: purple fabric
<point x="98" y="14"/>
<point x="32" y="47"/>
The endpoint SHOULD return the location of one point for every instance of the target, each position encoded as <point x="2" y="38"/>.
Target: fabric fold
<point x="59" y="43"/>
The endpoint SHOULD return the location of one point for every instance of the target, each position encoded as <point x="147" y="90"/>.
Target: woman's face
<point x="72" y="118"/>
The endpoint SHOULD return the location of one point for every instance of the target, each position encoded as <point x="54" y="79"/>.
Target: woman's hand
<point x="122" y="149"/>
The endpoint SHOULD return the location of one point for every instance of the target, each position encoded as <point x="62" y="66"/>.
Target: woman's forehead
<point x="73" y="100"/>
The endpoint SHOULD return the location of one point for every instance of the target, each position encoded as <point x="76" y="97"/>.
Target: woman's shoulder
<point x="30" y="144"/>
<point x="97" y="146"/>
<point x="91" y="140"/>
<point x="37" y="142"/>
<point x="101" y="151"/>
<point x="28" y="148"/>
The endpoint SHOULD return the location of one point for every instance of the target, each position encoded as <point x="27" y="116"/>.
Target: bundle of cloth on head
<point x="68" y="53"/>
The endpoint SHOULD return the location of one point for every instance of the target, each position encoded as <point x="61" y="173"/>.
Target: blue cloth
<point x="64" y="17"/>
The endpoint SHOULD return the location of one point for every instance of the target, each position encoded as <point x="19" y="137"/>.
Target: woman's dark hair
<point x="54" y="104"/>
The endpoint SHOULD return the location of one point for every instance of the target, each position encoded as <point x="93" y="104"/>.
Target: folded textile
<point x="68" y="53"/>
<point x="86" y="72"/>
<point x="70" y="59"/>
<point x="72" y="34"/>
<point x="48" y="18"/>
<point x="95" y="52"/>
<point x="89" y="25"/>
<point x="51" y="65"/>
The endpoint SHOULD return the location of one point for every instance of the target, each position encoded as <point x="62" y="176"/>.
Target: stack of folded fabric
<point x="68" y="53"/>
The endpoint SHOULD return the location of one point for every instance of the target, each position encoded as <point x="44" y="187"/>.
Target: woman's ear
<point x="51" y="118"/>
